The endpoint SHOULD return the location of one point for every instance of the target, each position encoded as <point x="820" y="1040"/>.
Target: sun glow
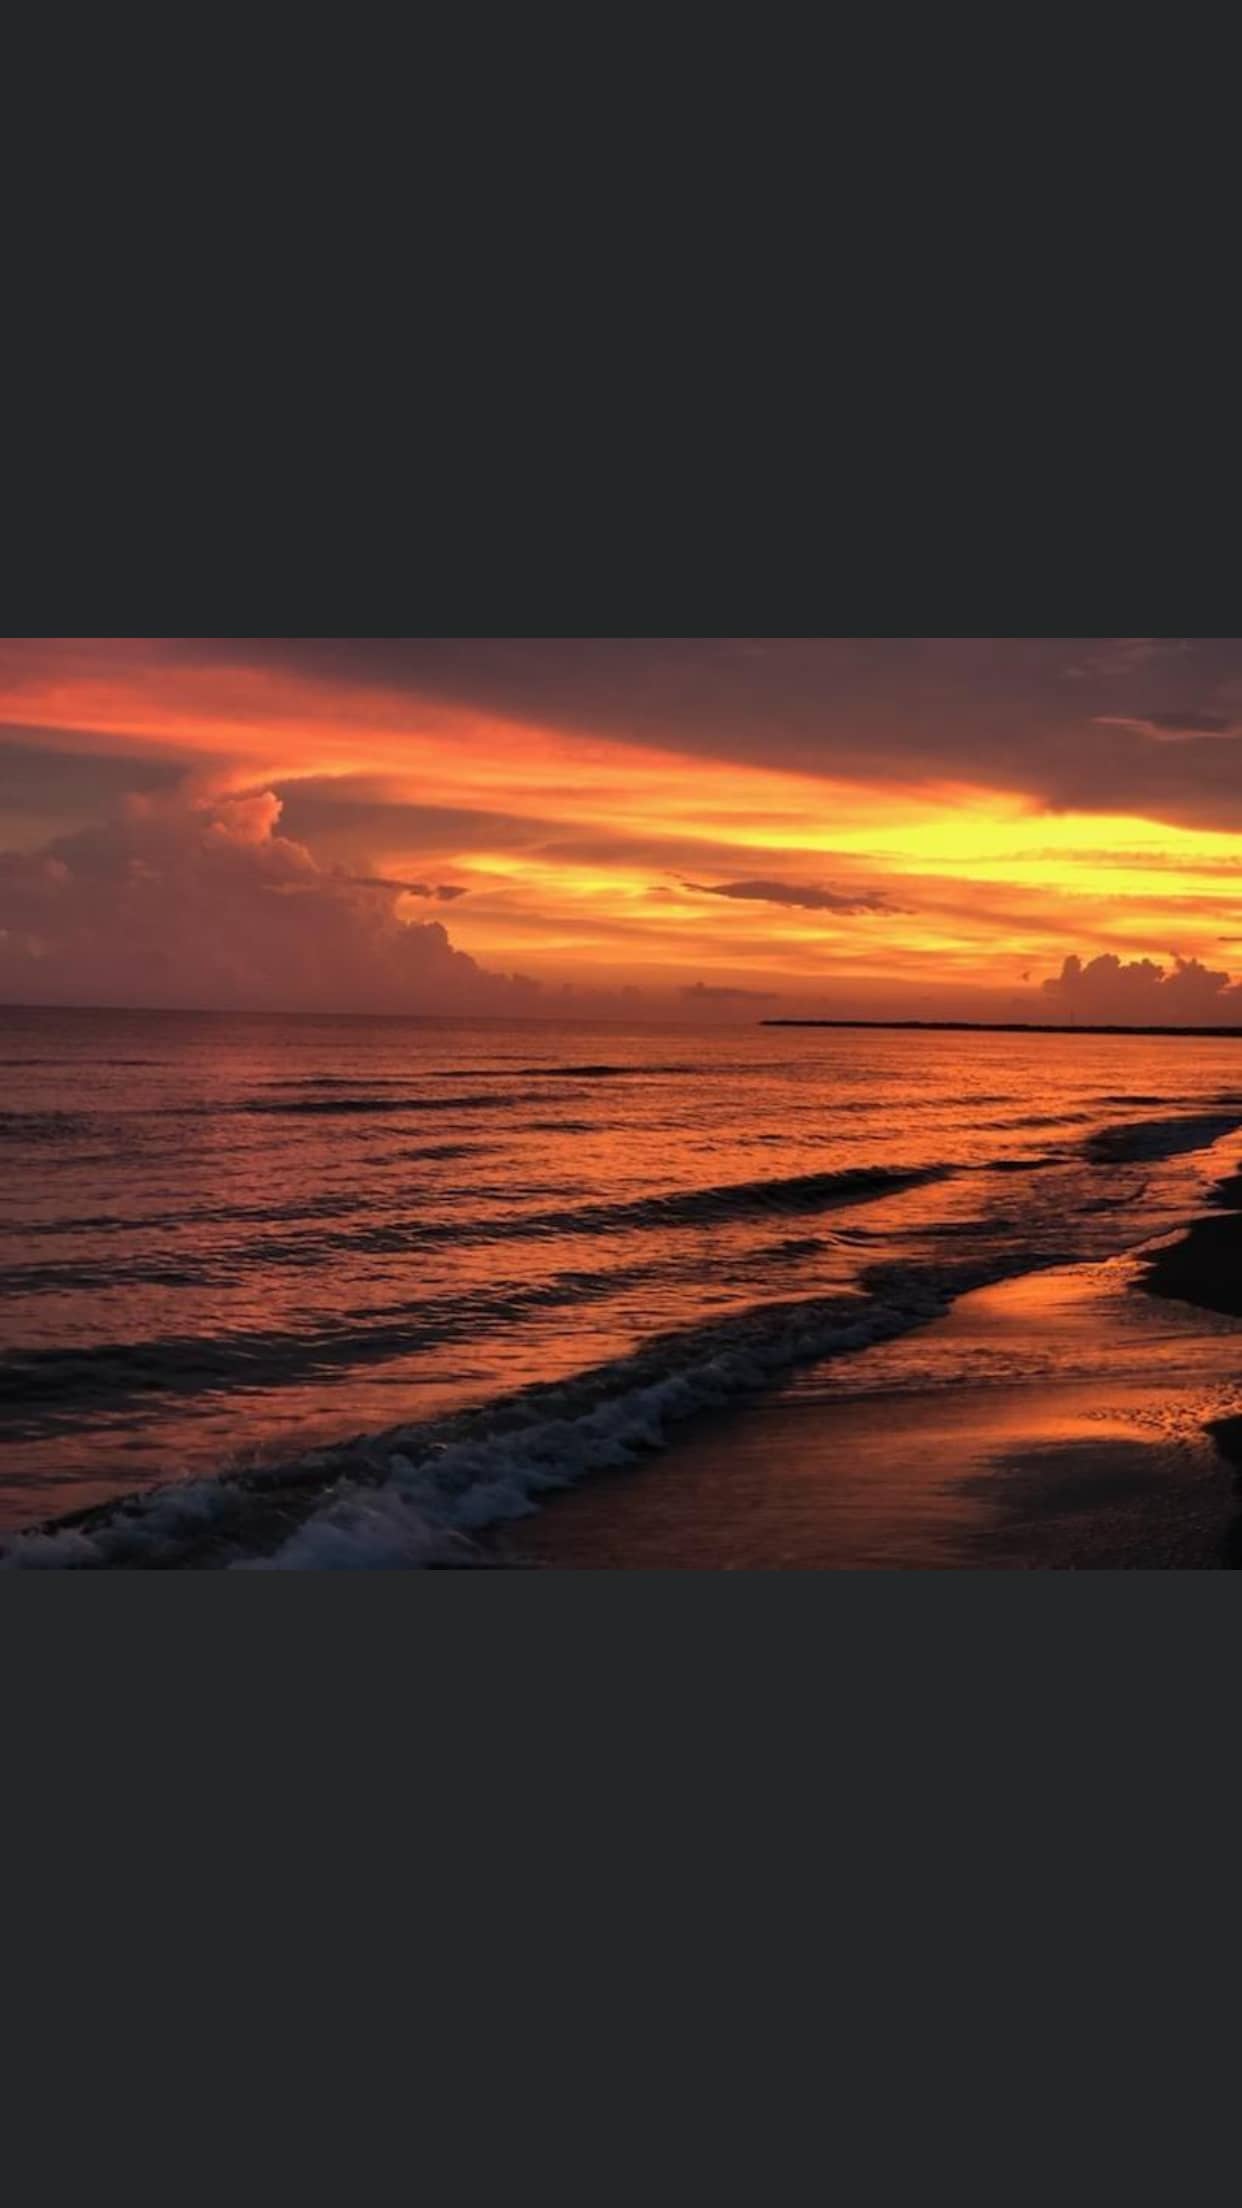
<point x="572" y="854"/>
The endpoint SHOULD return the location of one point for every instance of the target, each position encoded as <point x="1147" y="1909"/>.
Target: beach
<point x="365" y="1294"/>
<point x="1088" y="1417"/>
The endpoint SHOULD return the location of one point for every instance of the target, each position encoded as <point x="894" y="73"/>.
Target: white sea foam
<point x="418" y="1495"/>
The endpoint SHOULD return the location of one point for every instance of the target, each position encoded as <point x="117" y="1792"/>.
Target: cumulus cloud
<point x="197" y="899"/>
<point x="1140" y="992"/>
<point x="799" y="894"/>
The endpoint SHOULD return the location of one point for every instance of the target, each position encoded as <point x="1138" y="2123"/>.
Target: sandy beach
<point x="1091" y="1419"/>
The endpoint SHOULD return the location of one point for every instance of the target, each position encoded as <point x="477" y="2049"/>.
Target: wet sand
<point x="1087" y="1418"/>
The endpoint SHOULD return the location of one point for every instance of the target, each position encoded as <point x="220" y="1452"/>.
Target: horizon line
<point x="635" y="1019"/>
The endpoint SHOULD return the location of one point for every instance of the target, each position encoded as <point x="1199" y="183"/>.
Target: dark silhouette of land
<point x="1205" y="1267"/>
<point x="1008" y="1027"/>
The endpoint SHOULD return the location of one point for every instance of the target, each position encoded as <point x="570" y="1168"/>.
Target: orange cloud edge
<point x="589" y="861"/>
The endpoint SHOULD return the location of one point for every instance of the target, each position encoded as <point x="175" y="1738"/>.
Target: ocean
<point x="356" y="1292"/>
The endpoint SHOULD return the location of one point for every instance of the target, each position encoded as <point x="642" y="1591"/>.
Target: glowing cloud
<point x="198" y="900"/>
<point x="913" y="824"/>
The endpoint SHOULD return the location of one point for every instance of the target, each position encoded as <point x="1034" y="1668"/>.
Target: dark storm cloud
<point x="800" y="895"/>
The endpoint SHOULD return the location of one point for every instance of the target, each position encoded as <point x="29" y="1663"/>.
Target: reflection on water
<point x="227" y="1235"/>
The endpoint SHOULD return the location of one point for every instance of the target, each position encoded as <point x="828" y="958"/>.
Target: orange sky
<point x="865" y="864"/>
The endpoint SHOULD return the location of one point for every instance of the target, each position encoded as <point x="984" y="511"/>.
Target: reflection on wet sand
<point x="1060" y="1420"/>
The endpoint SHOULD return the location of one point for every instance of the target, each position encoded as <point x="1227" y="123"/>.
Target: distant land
<point x="1007" y="1027"/>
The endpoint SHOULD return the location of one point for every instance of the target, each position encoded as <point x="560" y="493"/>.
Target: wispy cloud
<point x="1172" y="728"/>
<point x="801" y="895"/>
<point x="443" y="892"/>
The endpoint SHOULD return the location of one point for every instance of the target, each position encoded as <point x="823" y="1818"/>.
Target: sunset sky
<point x="707" y="827"/>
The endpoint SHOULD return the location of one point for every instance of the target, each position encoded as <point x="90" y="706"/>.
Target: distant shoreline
<point x="1006" y="1027"/>
<point x="679" y="1021"/>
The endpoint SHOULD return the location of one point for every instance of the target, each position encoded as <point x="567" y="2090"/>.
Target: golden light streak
<point x="981" y="882"/>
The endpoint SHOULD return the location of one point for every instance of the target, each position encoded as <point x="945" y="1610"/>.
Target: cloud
<point x="1192" y="724"/>
<point x="1173" y="728"/>
<point x="34" y="780"/>
<point x="805" y="898"/>
<point x="1141" y="992"/>
<point x="443" y="892"/>
<point x="197" y="899"/>
<point x="536" y="717"/>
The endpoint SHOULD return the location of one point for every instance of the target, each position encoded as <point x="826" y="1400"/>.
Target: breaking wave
<point x="420" y="1495"/>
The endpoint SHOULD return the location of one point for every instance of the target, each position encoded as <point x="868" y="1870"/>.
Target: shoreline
<point x="1088" y="1417"/>
<point x="1204" y="1267"/>
<point x="1012" y="1027"/>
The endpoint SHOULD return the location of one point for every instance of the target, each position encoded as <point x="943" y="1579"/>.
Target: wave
<point x="576" y="1073"/>
<point x="77" y="1065"/>
<point x="438" y="1150"/>
<point x="1123" y="1097"/>
<point x="44" y="1126"/>
<point x="473" y="1073"/>
<point x="420" y="1495"/>
<point x="731" y="1200"/>
<point x="1142" y="1139"/>
<point x="319" y="1106"/>
<point x="338" y="1081"/>
<point x="606" y="1073"/>
<point x="327" y="1106"/>
<point x="43" y="1389"/>
<point x="1126" y="1096"/>
<point x="680" y="1207"/>
<point x="46" y="1390"/>
<point x="736" y="1200"/>
<point x="1040" y="1119"/>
